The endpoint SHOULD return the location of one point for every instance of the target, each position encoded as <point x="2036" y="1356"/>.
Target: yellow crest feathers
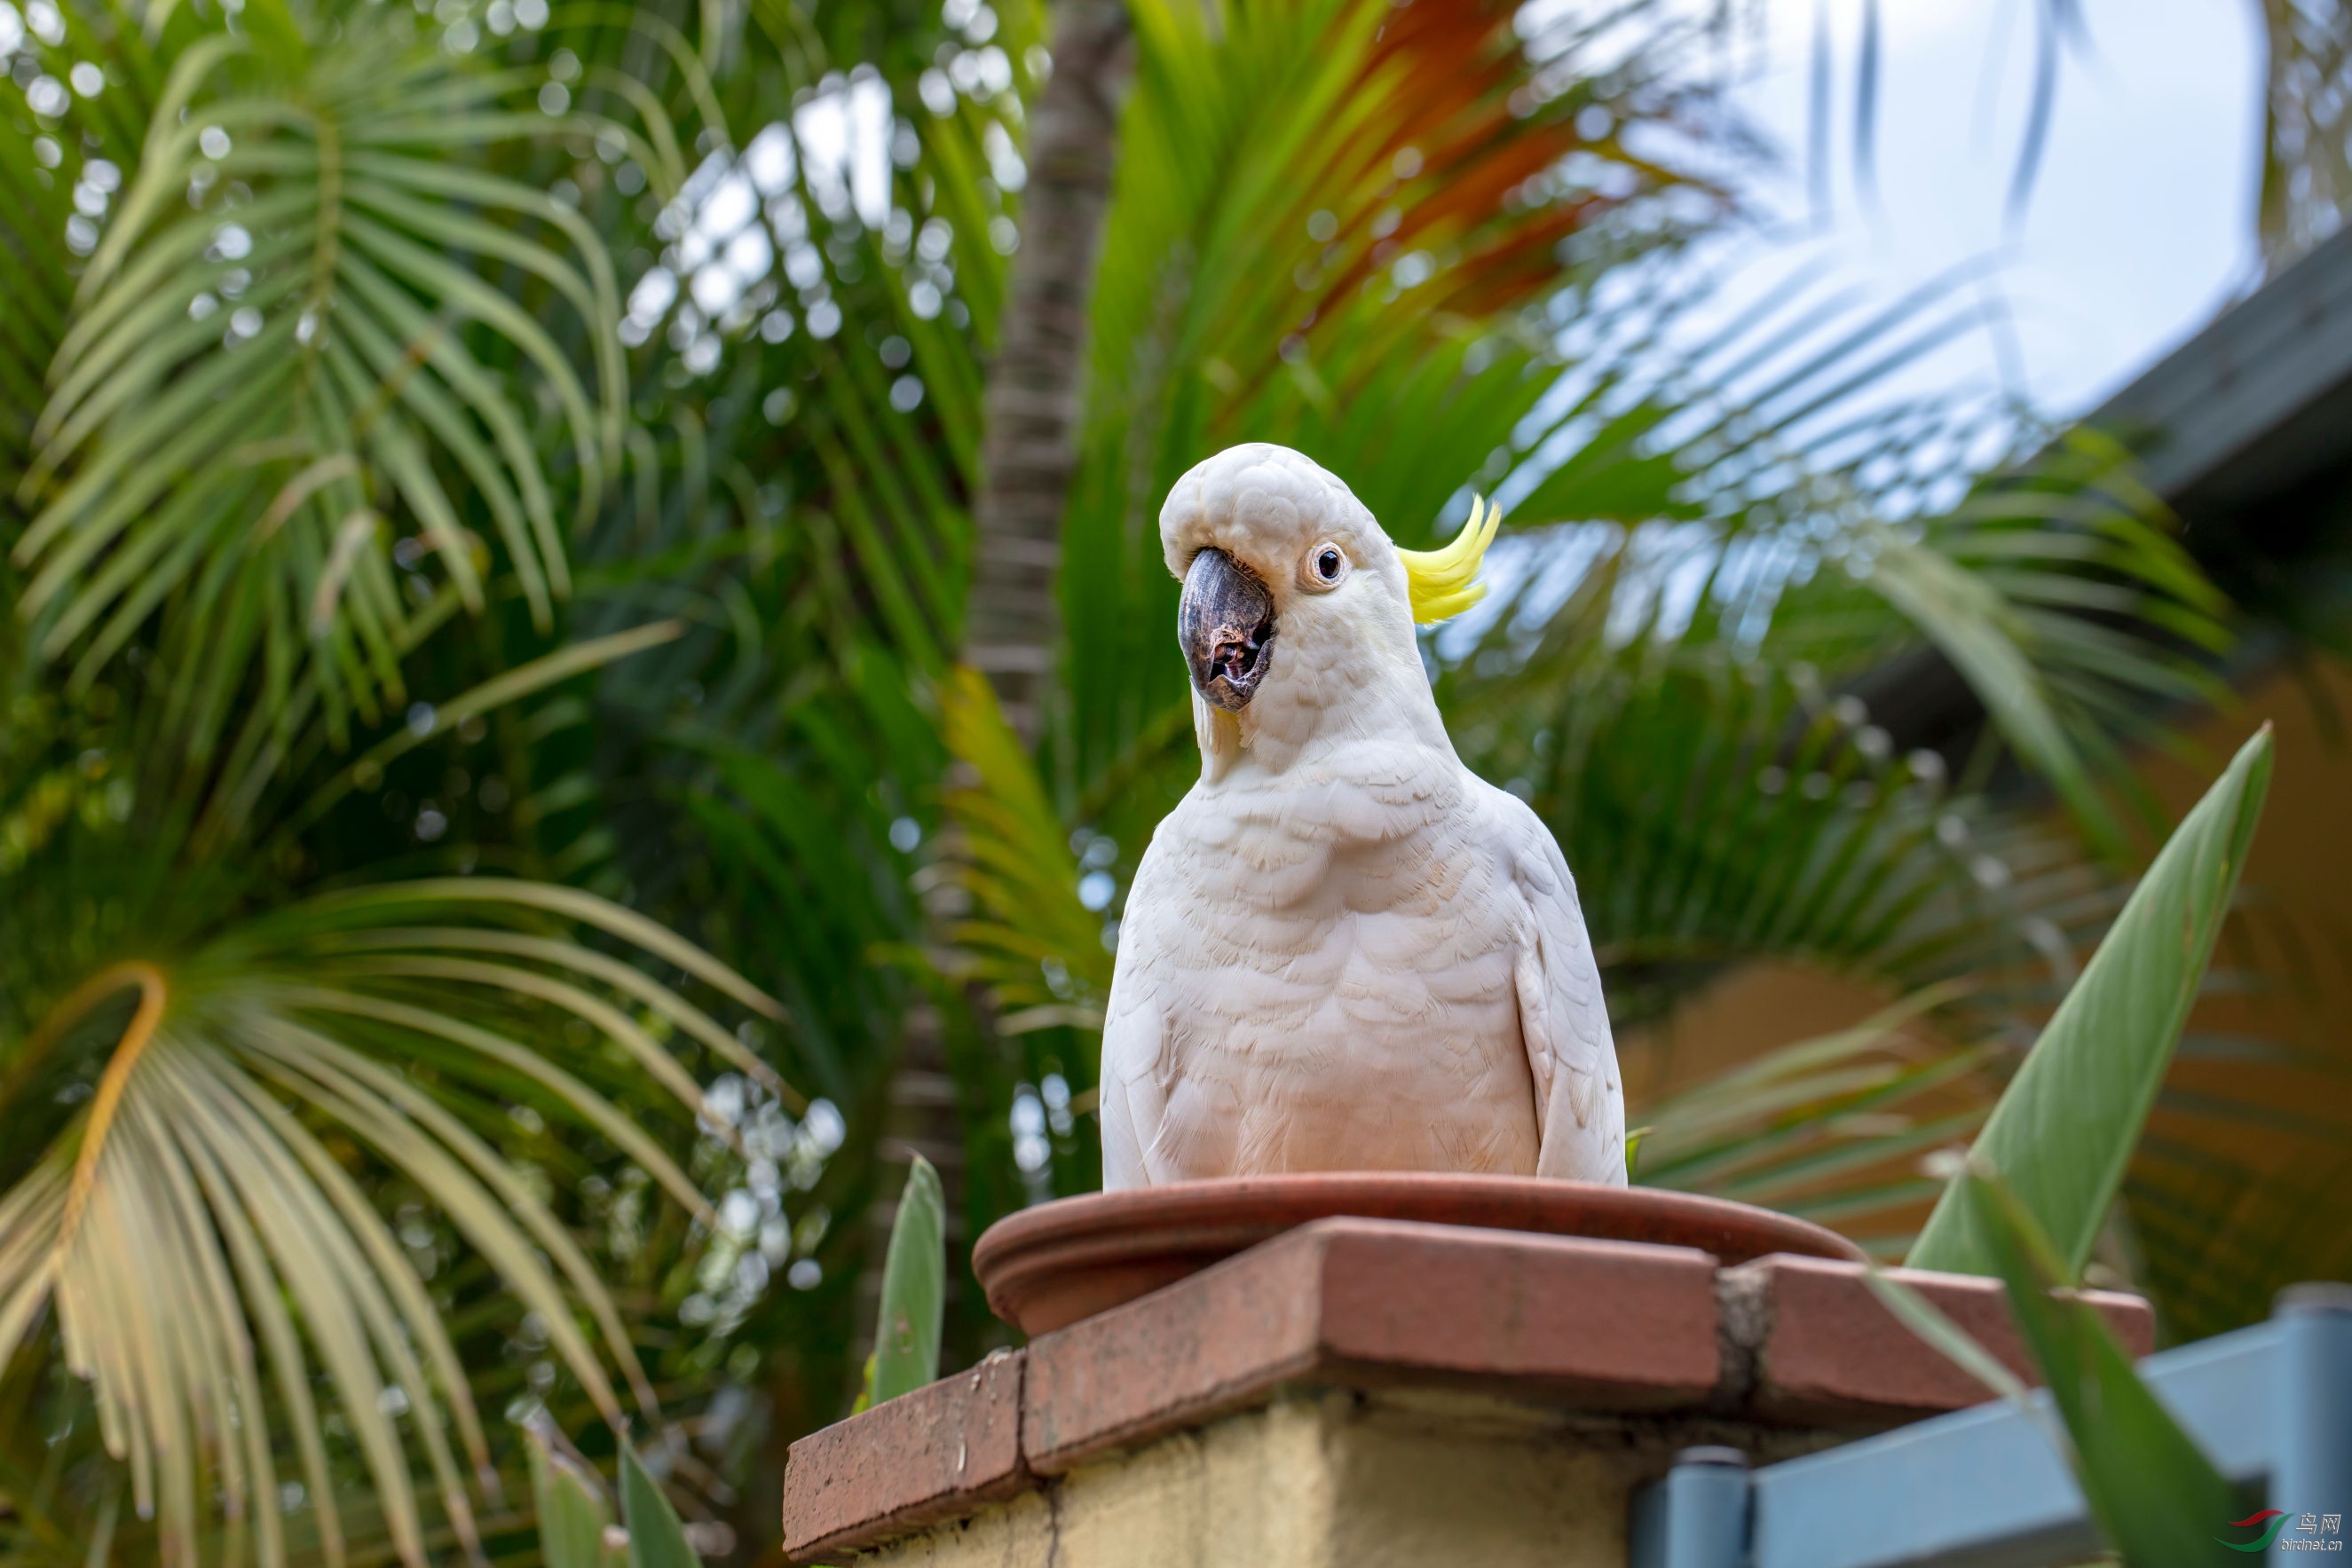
<point x="1445" y="581"/>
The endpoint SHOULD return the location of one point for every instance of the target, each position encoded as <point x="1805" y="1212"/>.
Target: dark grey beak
<point x="1226" y="624"/>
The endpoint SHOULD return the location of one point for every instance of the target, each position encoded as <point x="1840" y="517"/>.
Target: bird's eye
<point x="1323" y="567"/>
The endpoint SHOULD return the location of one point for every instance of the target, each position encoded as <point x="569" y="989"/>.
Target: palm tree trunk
<point x="1031" y="452"/>
<point x="1028" y="459"/>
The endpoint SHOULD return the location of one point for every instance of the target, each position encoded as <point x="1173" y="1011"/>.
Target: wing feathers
<point x="1580" y="1106"/>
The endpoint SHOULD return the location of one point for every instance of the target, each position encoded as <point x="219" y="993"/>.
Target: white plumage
<point x="1343" y="949"/>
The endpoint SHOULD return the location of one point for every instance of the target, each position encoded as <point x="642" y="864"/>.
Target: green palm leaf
<point x="197" y="1175"/>
<point x="254" y="396"/>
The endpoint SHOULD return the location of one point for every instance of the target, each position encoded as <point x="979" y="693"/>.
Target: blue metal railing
<point x="2271" y="1406"/>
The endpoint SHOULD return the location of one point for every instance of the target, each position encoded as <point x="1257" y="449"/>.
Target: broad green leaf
<point x="914" y="1282"/>
<point x="573" y="1512"/>
<point x="2158" y="1499"/>
<point x="2157" y="1496"/>
<point x="657" y="1538"/>
<point x="1927" y="1320"/>
<point x="2064" y="1131"/>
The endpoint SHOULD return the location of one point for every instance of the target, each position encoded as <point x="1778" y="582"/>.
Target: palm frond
<point x="1025" y="933"/>
<point x="274" y="361"/>
<point x="1843" y="1129"/>
<point x="215" y="1164"/>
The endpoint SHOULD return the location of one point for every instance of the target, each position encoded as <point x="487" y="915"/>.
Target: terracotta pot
<point x="1048" y="1267"/>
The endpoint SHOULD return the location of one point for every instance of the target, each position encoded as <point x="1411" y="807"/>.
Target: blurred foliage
<point x="486" y="797"/>
<point x="2307" y="124"/>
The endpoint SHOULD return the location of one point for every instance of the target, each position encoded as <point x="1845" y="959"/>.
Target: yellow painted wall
<point x="1328" y="1479"/>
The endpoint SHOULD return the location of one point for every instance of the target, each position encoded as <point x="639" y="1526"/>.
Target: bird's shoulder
<point x="1521" y="839"/>
<point x="1561" y="1007"/>
<point x="1164" y="899"/>
<point x="1152" y="867"/>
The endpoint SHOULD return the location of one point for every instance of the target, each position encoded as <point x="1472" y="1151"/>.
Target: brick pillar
<point x="1359" y="1393"/>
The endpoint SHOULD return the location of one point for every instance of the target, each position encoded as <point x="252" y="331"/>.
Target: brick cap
<point x="1824" y="1350"/>
<point x="938" y="1453"/>
<point x="1606" y="1328"/>
<point x="1610" y="1326"/>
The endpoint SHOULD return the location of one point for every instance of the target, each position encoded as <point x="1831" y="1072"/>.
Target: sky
<point x="2140" y="225"/>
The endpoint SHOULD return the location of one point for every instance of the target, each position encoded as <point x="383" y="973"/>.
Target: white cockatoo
<point x="1343" y="950"/>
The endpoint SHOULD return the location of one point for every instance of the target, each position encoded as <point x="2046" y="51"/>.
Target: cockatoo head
<point x="1293" y="594"/>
